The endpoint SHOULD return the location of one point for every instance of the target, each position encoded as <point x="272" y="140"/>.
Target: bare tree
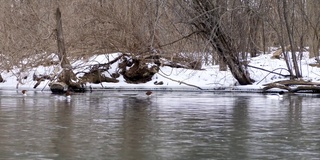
<point x="282" y="21"/>
<point x="24" y="31"/>
<point x="312" y="17"/>
<point x="231" y="29"/>
<point x="206" y="17"/>
<point x="290" y="23"/>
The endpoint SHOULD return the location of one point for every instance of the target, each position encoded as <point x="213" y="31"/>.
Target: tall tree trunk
<point x="222" y="64"/>
<point x="65" y="64"/>
<point x="281" y="39"/>
<point x="291" y="39"/>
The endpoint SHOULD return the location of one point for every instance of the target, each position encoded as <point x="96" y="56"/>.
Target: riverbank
<point x="209" y="78"/>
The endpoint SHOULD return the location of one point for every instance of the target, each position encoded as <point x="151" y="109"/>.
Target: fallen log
<point x="294" y="82"/>
<point x="58" y="87"/>
<point x="294" y="86"/>
<point x="314" y="89"/>
<point x="276" y="85"/>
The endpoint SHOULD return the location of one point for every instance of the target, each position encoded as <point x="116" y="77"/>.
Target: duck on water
<point x="278" y="95"/>
<point x="148" y="93"/>
<point x="24" y="92"/>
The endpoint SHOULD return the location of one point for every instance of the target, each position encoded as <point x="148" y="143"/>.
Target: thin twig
<point x="269" y="71"/>
<point x="181" y="82"/>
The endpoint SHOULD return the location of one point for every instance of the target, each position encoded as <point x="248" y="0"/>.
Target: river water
<point x="167" y="125"/>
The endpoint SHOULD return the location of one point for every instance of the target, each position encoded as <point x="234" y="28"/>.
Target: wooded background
<point x="212" y="29"/>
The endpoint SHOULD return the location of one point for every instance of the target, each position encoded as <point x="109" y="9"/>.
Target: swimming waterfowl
<point x="278" y="95"/>
<point x="65" y="96"/>
<point x="24" y="92"/>
<point x="68" y="94"/>
<point x="148" y="93"/>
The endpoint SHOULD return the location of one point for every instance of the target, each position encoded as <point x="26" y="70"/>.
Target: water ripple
<point x="168" y="125"/>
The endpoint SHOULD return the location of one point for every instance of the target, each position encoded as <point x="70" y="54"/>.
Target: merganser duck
<point x="68" y="94"/>
<point x="65" y="96"/>
<point x="278" y="95"/>
<point x="148" y="93"/>
<point x="24" y="92"/>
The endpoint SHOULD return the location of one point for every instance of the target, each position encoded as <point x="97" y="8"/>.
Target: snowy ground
<point x="208" y="79"/>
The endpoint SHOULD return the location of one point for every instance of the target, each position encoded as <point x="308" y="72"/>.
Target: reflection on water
<point x="167" y="125"/>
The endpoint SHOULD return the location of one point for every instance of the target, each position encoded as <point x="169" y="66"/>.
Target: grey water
<point x="167" y="125"/>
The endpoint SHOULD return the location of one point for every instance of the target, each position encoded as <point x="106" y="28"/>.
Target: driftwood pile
<point x="134" y="69"/>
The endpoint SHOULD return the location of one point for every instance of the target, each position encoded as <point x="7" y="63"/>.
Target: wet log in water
<point x="294" y="86"/>
<point x="58" y="87"/>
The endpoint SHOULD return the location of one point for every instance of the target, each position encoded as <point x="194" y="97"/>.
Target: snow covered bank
<point x="168" y="79"/>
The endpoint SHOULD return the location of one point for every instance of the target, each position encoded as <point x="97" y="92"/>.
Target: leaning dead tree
<point x="65" y="64"/>
<point x="67" y="73"/>
<point x="206" y="17"/>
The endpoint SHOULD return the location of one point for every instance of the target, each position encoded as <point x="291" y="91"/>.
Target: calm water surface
<point x="167" y="125"/>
